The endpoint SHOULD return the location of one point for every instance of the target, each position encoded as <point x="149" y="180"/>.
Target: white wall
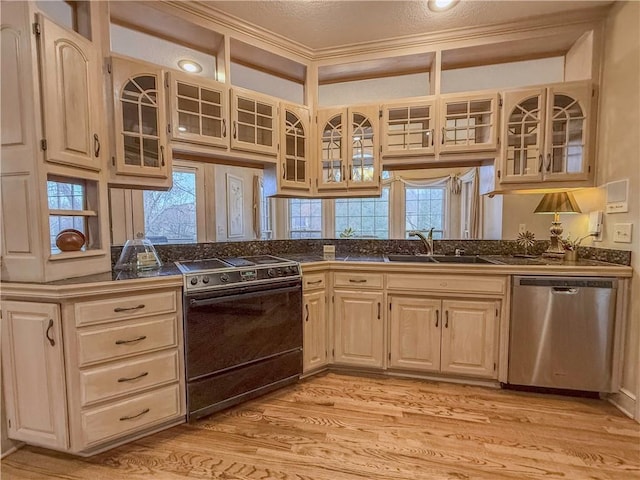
<point x="619" y="158"/>
<point x="266" y="83"/>
<point x="373" y="90"/>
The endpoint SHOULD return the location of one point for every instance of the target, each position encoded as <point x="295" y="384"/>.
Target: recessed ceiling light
<point x="190" y="66"/>
<point x="441" y="5"/>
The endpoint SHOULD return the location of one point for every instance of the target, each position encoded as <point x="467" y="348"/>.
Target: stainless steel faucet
<point x="428" y="240"/>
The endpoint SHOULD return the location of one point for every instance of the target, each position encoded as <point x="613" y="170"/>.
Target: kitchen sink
<point x="466" y="259"/>
<point x="462" y="259"/>
<point x="411" y="258"/>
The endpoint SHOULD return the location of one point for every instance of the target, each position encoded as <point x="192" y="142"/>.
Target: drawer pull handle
<point x="49" y="327"/>
<point x="131" y="417"/>
<point x="360" y="280"/>
<point x="127" y="309"/>
<point x="314" y="283"/>
<point x="131" y="379"/>
<point x="446" y="322"/>
<point x="133" y="340"/>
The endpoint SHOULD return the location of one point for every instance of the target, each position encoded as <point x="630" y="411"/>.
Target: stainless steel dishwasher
<point x="562" y="332"/>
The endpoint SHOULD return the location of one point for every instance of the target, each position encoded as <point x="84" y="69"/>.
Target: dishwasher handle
<point x="564" y="291"/>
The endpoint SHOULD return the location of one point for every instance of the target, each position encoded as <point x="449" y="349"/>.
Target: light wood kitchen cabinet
<point x="468" y="122"/>
<point x="33" y="374"/>
<point x="359" y="328"/>
<point x="449" y="336"/>
<point x="348" y="148"/>
<point x="408" y="128"/>
<point x="469" y="338"/>
<point x="254" y="122"/>
<point x="71" y="76"/>
<point x="546" y="132"/>
<point x="198" y="110"/>
<point x="140" y="120"/>
<point x="314" y="345"/>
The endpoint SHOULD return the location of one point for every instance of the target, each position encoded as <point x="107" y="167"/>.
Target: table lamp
<point x="556" y="203"/>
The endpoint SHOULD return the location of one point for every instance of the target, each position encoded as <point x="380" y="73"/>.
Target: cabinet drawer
<point x="313" y="281"/>
<point x="115" y="379"/>
<point x="448" y="283"/>
<point x="122" y="308"/>
<point x="129" y="415"/>
<point x="143" y="335"/>
<point x="360" y="280"/>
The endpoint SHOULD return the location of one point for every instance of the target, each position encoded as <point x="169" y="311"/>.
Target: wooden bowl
<point x="70" y="240"/>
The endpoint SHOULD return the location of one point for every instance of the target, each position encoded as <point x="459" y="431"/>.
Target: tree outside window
<point x="425" y="209"/>
<point x="170" y="217"/>
<point x="363" y="217"/>
<point x="305" y="218"/>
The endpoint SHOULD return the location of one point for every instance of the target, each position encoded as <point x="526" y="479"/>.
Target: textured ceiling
<point x="331" y="23"/>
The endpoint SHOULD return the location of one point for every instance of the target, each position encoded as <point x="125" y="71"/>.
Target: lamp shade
<point x="562" y="202"/>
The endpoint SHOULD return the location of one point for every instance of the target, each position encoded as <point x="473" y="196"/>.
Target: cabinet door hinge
<point x="389" y="306"/>
<point x="316" y="183"/>
<point x="380" y="113"/>
<point x="333" y="352"/>
<point x="494" y="367"/>
<point x="333" y="300"/>
<point x="500" y="102"/>
<point x="593" y="92"/>
<point x="168" y="128"/>
<point x="43" y="144"/>
<point x="113" y="161"/>
<point x="499" y="174"/>
<point x="496" y="312"/>
<point x="166" y="79"/>
<point x="108" y="67"/>
<point x="36" y="29"/>
<point x="9" y="422"/>
<point x="589" y="169"/>
<point x="389" y="356"/>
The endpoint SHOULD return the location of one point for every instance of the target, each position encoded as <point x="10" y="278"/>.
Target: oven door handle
<point x="226" y="298"/>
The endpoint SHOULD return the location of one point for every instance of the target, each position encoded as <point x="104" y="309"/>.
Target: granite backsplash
<point x="344" y="247"/>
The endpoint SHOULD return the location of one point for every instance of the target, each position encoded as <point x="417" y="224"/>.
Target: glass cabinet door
<point x="140" y="116"/>
<point x="523" y="148"/>
<point x="254" y="119"/>
<point x="408" y="129"/>
<point x="332" y="145"/>
<point x="468" y="123"/>
<point x="567" y="132"/>
<point x="364" y="170"/>
<point x="294" y="153"/>
<point x="198" y="110"/>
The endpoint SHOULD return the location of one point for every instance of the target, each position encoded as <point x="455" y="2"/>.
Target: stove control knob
<point x="224" y="278"/>
<point x="194" y="280"/>
<point x="205" y="280"/>
<point x="271" y="272"/>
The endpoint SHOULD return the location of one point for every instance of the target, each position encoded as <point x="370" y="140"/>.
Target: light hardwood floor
<point x="336" y="427"/>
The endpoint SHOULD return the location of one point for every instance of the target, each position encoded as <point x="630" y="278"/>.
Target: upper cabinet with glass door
<point x="140" y="120"/>
<point x="295" y="152"/>
<point x="254" y="119"/>
<point x="546" y="132"/>
<point x="468" y="122"/>
<point x="408" y="128"/>
<point x="72" y="100"/>
<point x="199" y="110"/>
<point x="348" y="156"/>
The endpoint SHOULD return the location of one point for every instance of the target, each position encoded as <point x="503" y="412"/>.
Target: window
<point x="425" y="209"/>
<point x="170" y="217"/>
<point x="66" y="207"/>
<point x="266" y="217"/>
<point x="305" y="218"/>
<point x="363" y="217"/>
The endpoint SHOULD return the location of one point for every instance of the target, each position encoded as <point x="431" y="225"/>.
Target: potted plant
<point x="571" y="247"/>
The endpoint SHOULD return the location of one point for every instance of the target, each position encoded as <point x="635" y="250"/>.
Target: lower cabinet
<point x="359" y="328"/>
<point x="33" y="374"/>
<point x="449" y="336"/>
<point x="87" y="373"/>
<point x="314" y="345"/>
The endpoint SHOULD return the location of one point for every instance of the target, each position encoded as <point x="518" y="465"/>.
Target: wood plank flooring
<point x="338" y="427"/>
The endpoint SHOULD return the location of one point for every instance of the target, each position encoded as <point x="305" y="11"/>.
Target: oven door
<point x="241" y="342"/>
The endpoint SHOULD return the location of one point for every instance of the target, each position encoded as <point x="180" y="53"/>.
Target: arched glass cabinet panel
<point x="332" y="151"/>
<point x="295" y="147"/>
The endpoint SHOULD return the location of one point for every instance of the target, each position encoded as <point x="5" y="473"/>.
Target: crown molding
<point x="436" y="40"/>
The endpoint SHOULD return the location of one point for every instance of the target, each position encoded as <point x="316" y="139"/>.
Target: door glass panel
<point x="567" y="132"/>
<point x="130" y="120"/>
<point x="246" y="133"/>
<point x="290" y="169"/>
<point x="294" y="148"/>
<point x="523" y="138"/>
<point x="132" y="150"/>
<point x="211" y="96"/>
<point x="264" y="121"/>
<point x="331" y="151"/>
<point x="264" y="137"/>
<point x="211" y="127"/>
<point x="264" y="109"/>
<point x="150" y="151"/>
<point x="188" y="123"/>
<point x="246" y="105"/>
<point x="149" y="120"/>
<point x="211" y="110"/>
<point x="409" y="128"/>
<point x="362" y="160"/>
<point x="247" y="118"/>
<point x="301" y="173"/>
<point x="146" y="82"/>
<point x="468" y="123"/>
<point x="185" y="90"/>
<point x="188" y="105"/>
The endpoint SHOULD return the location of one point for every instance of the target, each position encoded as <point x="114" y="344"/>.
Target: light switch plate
<point x="622" y="232"/>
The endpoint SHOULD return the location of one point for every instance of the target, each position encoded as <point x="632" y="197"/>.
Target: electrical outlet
<point x="522" y="228"/>
<point x="622" y="232"/>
